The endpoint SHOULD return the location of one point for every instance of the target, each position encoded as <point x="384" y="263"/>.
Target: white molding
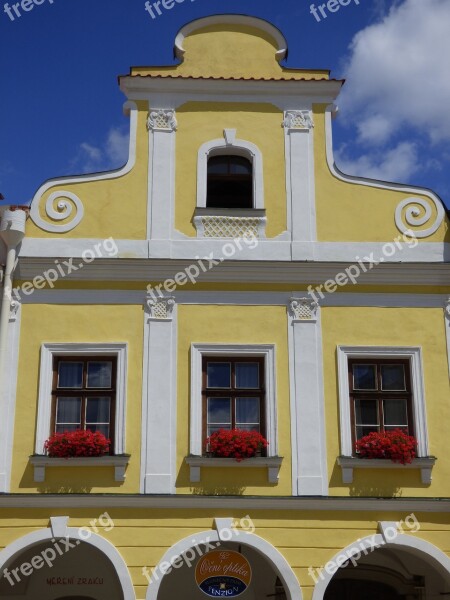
<point x="267" y="351"/>
<point x="307" y="400"/>
<point x="411" y="543"/>
<point x="19" y="546"/>
<point x="184" y="502"/>
<point x="270" y="250"/>
<point x="40" y="463"/>
<point x="64" y="208"/>
<point x="413" y="213"/>
<point x="196" y="463"/>
<point x="244" y="20"/>
<point x="303" y="309"/>
<point x="48" y="351"/>
<point x="229" y="145"/>
<point x="414" y="355"/>
<point x="8" y="399"/>
<point x="59" y="526"/>
<point x="447" y="329"/>
<point x="161" y="176"/>
<point x="349" y="463"/>
<point x="159" y="403"/>
<point x="262" y="546"/>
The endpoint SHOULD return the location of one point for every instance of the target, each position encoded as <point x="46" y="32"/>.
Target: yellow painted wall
<point x="257" y="123"/>
<point x="112" y="208"/>
<point x="87" y="324"/>
<point x="305" y="539"/>
<point x="357" y="213"/>
<point x="390" y="327"/>
<point x="233" y="325"/>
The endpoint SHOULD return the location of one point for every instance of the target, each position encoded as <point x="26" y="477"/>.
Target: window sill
<point x="40" y="463"/>
<point x="230" y="223"/>
<point x="348" y="463"/>
<point x="272" y="464"/>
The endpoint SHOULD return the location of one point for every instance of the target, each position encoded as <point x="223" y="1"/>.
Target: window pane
<point x="99" y="374"/>
<point x="245" y="427"/>
<point x="219" y="375"/>
<point x="247" y="411"/>
<point x="219" y="410"/>
<point x="247" y="375"/>
<point x="362" y="431"/>
<point x="395" y="412"/>
<point x="218" y="165"/>
<point x="212" y="428"/>
<point x="364" y="377"/>
<point x="97" y="409"/>
<point x="65" y="427"/>
<point x="68" y="410"/>
<point x="70" y="375"/>
<point x="241" y="166"/>
<point x="366" y="412"/>
<point x="393" y="377"/>
<point x="101" y="428"/>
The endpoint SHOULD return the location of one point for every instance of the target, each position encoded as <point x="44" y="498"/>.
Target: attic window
<point x="230" y="182"/>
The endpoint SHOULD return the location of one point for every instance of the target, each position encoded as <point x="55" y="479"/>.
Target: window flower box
<point x="238" y="444"/>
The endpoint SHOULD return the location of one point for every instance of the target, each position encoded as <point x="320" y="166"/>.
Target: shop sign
<point x="223" y="573"/>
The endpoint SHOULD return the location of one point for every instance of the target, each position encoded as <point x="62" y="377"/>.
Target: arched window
<point x="230" y="182"/>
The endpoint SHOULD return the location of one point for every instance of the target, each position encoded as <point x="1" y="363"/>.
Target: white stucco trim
<point x="198" y="351"/>
<point x="263" y="547"/>
<point x="8" y="399"/>
<point x="159" y="404"/>
<point x="35" y="538"/>
<point x="413" y="216"/>
<point x="231" y="19"/>
<point x="415" y="545"/>
<point x="48" y="351"/>
<point x="229" y="145"/>
<point x="414" y="355"/>
<point x="309" y="461"/>
<point x="65" y="209"/>
<point x="447" y="329"/>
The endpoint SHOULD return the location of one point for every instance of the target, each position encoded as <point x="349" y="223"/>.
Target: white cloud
<point x="397" y="73"/>
<point x="112" y="154"/>
<point x="398" y="164"/>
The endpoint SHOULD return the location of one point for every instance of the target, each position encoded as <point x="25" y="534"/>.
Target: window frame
<point x="85" y="391"/>
<point x="264" y="351"/>
<point x="46" y="374"/>
<point x="379" y="395"/>
<point x="391" y="353"/>
<point x="233" y="392"/>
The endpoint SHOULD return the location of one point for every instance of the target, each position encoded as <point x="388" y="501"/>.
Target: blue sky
<point x="61" y="108"/>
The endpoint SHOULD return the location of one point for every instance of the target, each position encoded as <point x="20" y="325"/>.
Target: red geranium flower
<point x="396" y="445"/>
<point x="77" y="443"/>
<point x="235" y="443"/>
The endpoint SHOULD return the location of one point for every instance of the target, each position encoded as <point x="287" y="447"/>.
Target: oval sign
<point x="223" y="573"/>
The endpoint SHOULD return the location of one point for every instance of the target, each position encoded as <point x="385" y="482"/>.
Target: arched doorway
<point x="407" y="569"/>
<point x="71" y="568"/>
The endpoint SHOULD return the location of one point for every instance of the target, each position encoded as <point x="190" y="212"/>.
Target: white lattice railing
<point x="230" y="226"/>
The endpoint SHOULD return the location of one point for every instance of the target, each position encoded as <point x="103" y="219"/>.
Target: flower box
<point x="238" y="444"/>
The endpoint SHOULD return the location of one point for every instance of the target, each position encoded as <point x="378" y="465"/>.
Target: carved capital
<point x="303" y="309"/>
<point x="160" y="309"/>
<point x="298" y="119"/>
<point x="15" y="305"/>
<point x="447" y="309"/>
<point x="162" y="119"/>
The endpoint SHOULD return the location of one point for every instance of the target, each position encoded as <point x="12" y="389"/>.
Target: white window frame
<point x="414" y="355"/>
<point x="198" y="351"/>
<point x="48" y="352"/>
<point x="230" y="146"/>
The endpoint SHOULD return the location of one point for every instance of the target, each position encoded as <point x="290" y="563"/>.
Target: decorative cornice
<point x="160" y="309"/>
<point x="303" y="309"/>
<point x="184" y="502"/>
<point x="298" y="119"/>
<point x="162" y="119"/>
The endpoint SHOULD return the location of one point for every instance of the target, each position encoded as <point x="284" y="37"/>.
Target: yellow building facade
<point x="228" y="276"/>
